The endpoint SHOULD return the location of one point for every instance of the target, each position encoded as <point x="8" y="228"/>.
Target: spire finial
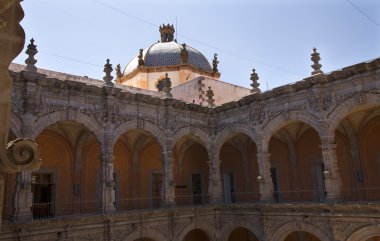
<point x="108" y="69"/>
<point x="141" y="60"/>
<point x="167" y="86"/>
<point x="210" y="95"/>
<point x="167" y="33"/>
<point x="255" y="85"/>
<point x="31" y="61"/>
<point x="118" y="71"/>
<point x="316" y="66"/>
<point x="184" y="54"/>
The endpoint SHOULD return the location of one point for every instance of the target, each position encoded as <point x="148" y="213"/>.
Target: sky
<point x="276" y="37"/>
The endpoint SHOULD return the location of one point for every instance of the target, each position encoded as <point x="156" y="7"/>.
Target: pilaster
<point x="168" y="184"/>
<point x="333" y="183"/>
<point x="264" y="179"/>
<point x="106" y="174"/>
<point x="215" y="190"/>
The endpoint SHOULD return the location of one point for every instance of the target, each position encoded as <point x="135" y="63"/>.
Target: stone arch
<point x="349" y="106"/>
<point x="203" y="138"/>
<point x="151" y="234"/>
<point x="15" y="125"/>
<point x="153" y="129"/>
<point x="190" y="227"/>
<point x="283" y="231"/>
<point x="278" y="122"/>
<point x="64" y="115"/>
<point x="227" y="133"/>
<point x="229" y="228"/>
<point x="365" y="233"/>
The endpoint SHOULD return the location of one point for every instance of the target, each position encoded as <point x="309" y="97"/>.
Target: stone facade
<point x="320" y="103"/>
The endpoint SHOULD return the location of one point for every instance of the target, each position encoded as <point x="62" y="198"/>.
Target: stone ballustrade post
<point x="106" y="172"/>
<point x="215" y="181"/>
<point x="333" y="184"/>
<point x="168" y="183"/>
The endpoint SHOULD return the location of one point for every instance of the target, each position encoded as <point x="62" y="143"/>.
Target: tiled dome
<point x="168" y="54"/>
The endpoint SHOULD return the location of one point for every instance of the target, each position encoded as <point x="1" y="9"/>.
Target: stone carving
<point x="255" y="85"/>
<point x="22" y="154"/>
<point x="184" y="54"/>
<point x="316" y="66"/>
<point x="215" y="63"/>
<point x="210" y="99"/>
<point x="108" y="69"/>
<point x="118" y="71"/>
<point x="140" y="58"/>
<point x="319" y="100"/>
<point x="257" y="115"/>
<point x="167" y="84"/>
<point x="31" y="51"/>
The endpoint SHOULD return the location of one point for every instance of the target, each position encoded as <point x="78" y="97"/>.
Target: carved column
<point x="106" y="174"/>
<point x="264" y="179"/>
<point x="168" y="182"/>
<point x="215" y="190"/>
<point x="333" y="183"/>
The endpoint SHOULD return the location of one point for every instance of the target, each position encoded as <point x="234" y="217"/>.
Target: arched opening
<point x="296" y="163"/>
<point x="238" y="168"/>
<point x="242" y="234"/>
<point x="358" y="153"/>
<point x="68" y="179"/>
<point x="191" y="171"/>
<point x="301" y="236"/>
<point x="196" y="235"/>
<point x="137" y="170"/>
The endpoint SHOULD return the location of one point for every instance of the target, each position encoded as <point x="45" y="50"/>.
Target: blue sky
<point x="274" y="37"/>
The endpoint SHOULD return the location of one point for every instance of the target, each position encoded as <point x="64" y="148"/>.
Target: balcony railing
<point x="48" y="210"/>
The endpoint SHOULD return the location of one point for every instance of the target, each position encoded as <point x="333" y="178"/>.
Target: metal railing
<point x="48" y="210"/>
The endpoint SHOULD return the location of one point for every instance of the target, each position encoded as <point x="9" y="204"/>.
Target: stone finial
<point x="210" y="95"/>
<point x="316" y="66"/>
<point x="167" y="33"/>
<point x="108" y="70"/>
<point x="31" y="61"/>
<point x="167" y="86"/>
<point x="184" y="54"/>
<point x="141" y="60"/>
<point x="255" y="85"/>
<point x="215" y="63"/>
<point x="118" y="71"/>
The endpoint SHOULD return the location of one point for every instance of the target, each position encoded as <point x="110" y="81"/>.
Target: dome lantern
<point x="167" y="33"/>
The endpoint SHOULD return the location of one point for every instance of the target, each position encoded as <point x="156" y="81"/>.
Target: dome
<point x="169" y="54"/>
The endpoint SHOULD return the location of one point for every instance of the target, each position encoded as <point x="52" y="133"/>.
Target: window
<point x="43" y="190"/>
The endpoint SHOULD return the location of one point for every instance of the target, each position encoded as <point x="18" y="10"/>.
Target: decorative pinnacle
<point x="118" y="71"/>
<point x="215" y="63"/>
<point x="167" y="86"/>
<point x="108" y="69"/>
<point x="31" y="61"/>
<point x="184" y="54"/>
<point x="316" y="66"/>
<point x="210" y="95"/>
<point x="255" y="85"/>
<point x="141" y="60"/>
